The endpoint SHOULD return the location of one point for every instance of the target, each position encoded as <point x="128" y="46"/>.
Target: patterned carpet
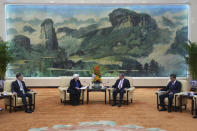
<point x="52" y="114"/>
<point x="96" y="126"/>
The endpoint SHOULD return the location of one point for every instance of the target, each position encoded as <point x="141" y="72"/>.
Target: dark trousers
<point x="23" y="96"/>
<point x="115" y="92"/>
<point x="196" y="112"/>
<point x="75" y="97"/>
<point x="170" y="99"/>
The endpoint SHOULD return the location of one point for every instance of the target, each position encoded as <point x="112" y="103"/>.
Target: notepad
<point x="162" y="91"/>
<point x="84" y="87"/>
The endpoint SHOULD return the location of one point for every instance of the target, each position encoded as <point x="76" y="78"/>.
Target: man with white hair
<point x="74" y="90"/>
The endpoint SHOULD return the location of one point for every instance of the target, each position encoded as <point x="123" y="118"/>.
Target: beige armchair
<point x="64" y="95"/>
<point x="14" y="101"/>
<point x="128" y="96"/>
<point x="176" y="101"/>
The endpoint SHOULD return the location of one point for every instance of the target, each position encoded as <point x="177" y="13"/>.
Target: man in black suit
<point x="74" y="90"/>
<point x="173" y="87"/>
<point x="19" y="88"/>
<point x="120" y="87"/>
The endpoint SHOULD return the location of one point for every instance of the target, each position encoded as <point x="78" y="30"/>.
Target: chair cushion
<point x="7" y="85"/>
<point x="18" y="101"/>
<point x="130" y="95"/>
<point x="184" y="101"/>
<point x="65" y="81"/>
<point x="64" y="95"/>
<point x="185" y="85"/>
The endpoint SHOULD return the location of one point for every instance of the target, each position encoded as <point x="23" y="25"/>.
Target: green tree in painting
<point x="154" y="68"/>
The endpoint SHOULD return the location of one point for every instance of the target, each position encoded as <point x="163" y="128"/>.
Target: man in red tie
<point x="120" y="87"/>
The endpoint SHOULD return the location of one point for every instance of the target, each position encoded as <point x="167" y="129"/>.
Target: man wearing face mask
<point x="19" y="88"/>
<point x="173" y="87"/>
<point x="74" y="90"/>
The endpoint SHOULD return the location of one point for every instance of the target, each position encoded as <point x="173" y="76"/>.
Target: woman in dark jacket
<point x="74" y="90"/>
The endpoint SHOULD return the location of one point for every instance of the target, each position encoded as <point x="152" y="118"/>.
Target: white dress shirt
<point x="120" y="83"/>
<point x="173" y="82"/>
<point x="21" y="86"/>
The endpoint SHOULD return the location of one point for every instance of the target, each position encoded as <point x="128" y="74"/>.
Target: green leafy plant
<point x="5" y="58"/>
<point x="191" y="59"/>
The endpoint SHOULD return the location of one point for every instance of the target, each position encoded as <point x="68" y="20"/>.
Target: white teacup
<point x="185" y="93"/>
<point x="4" y="93"/>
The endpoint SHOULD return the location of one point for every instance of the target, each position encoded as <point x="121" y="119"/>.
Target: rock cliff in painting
<point x="48" y="34"/>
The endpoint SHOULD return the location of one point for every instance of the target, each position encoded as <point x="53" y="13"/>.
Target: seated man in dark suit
<point x="174" y="86"/>
<point x="19" y="88"/>
<point x="120" y="87"/>
<point x="74" y="90"/>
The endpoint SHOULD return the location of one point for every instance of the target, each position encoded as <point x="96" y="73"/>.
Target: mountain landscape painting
<point x="59" y="40"/>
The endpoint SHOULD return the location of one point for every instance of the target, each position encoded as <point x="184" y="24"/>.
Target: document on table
<point x="161" y="91"/>
<point x="84" y="87"/>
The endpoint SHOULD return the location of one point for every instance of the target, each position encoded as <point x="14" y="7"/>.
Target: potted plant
<point x="5" y="58"/>
<point x="96" y="77"/>
<point x="191" y="60"/>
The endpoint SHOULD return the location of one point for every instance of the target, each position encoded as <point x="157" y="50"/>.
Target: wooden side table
<point x="97" y="90"/>
<point x="83" y="90"/>
<point x="10" y="101"/>
<point x="188" y="97"/>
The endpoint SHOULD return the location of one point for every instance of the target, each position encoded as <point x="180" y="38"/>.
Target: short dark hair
<point x="18" y="74"/>
<point x="173" y="75"/>
<point x="121" y="74"/>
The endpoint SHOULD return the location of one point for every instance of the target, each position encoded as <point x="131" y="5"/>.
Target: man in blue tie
<point x="120" y="87"/>
<point x="19" y="88"/>
<point x="174" y="86"/>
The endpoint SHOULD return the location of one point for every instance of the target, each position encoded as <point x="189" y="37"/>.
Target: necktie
<point x="120" y="84"/>
<point x="21" y="87"/>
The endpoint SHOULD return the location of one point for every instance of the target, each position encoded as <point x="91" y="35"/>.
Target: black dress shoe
<point x="119" y="105"/>
<point x="28" y="111"/>
<point x="74" y="105"/>
<point x="169" y="109"/>
<point x="114" y="104"/>
<point x="195" y="116"/>
<point x="163" y="109"/>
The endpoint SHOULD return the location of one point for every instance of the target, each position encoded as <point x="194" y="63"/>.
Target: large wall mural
<point x="59" y="40"/>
